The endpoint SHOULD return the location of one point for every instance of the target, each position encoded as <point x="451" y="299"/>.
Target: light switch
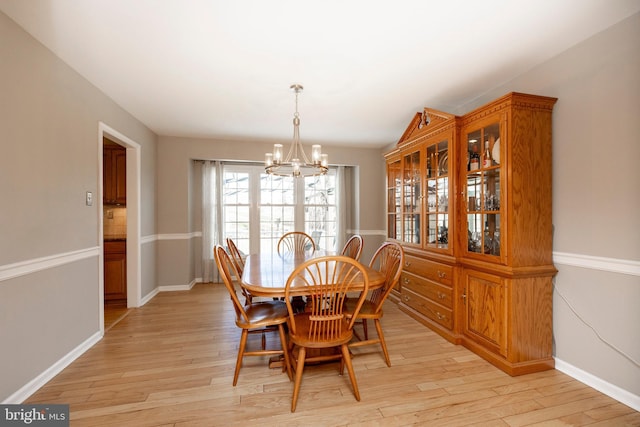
<point x="89" y="198"/>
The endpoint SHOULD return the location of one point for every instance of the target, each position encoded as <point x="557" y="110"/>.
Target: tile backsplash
<point x="115" y="221"/>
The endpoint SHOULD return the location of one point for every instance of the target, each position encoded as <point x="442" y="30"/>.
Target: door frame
<point x="134" y="273"/>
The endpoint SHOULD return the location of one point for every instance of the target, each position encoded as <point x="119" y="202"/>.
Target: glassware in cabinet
<point x="412" y="197"/>
<point x="483" y="190"/>
<point x="394" y="199"/>
<point x="438" y="195"/>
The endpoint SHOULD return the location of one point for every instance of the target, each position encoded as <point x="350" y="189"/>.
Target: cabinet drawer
<point x="436" y="292"/>
<point x="436" y="271"/>
<point x="433" y="311"/>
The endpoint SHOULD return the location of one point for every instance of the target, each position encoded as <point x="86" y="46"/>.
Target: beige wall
<point x="49" y="239"/>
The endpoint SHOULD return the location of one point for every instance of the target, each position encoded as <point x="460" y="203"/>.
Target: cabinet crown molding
<point x="424" y="124"/>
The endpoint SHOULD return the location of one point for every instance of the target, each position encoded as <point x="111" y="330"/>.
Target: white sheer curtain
<point x="341" y="232"/>
<point x="211" y="218"/>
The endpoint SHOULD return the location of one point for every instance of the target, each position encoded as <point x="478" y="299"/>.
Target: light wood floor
<point x="113" y="314"/>
<point x="170" y="363"/>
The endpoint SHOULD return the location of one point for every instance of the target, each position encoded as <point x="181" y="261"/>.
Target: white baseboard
<point x="613" y="391"/>
<point x="173" y="288"/>
<point x="39" y="381"/>
<point x="149" y="296"/>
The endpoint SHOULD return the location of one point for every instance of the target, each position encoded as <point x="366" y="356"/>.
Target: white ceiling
<point x="222" y="68"/>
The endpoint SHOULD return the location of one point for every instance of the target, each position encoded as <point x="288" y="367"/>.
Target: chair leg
<point x="352" y="375"/>
<point x="364" y="328"/>
<point x="285" y="350"/>
<point x="243" y="343"/>
<point x="296" y="385"/>
<point x="383" y="344"/>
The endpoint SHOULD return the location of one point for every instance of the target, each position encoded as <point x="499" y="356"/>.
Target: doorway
<point x="130" y="233"/>
<point x="114" y="218"/>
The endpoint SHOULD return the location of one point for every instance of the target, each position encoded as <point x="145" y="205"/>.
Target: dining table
<point x="266" y="274"/>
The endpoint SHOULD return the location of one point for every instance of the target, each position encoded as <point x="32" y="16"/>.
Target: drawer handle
<point x="441" y="295"/>
<point x="406" y="281"/>
<point x="407" y="263"/>
<point x="440" y="316"/>
<point x="405" y="298"/>
<point x="442" y="274"/>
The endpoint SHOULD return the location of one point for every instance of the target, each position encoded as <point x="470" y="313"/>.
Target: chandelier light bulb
<point x="277" y="153"/>
<point x="316" y="153"/>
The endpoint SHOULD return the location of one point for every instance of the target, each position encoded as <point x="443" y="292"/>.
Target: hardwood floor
<point x="171" y="362"/>
<point x="113" y="313"/>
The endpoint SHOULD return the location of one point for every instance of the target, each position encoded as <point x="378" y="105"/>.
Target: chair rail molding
<point x="22" y="268"/>
<point x="613" y="265"/>
<point x="179" y="236"/>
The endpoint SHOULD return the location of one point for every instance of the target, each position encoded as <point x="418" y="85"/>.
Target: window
<point x="277" y="206"/>
<point x="235" y="207"/>
<point x="258" y="208"/>
<point x="321" y="210"/>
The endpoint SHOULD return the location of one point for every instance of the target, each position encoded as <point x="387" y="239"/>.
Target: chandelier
<point x="296" y="164"/>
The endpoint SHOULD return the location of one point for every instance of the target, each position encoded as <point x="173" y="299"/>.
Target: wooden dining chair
<point x="323" y="325"/>
<point x="236" y="256"/>
<point x="256" y="317"/>
<point x="238" y="263"/>
<point x="388" y="259"/>
<point x="295" y="242"/>
<point x="353" y="247"/>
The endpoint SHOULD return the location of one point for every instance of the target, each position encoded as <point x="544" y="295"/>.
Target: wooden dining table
<point x="266" y="274"/>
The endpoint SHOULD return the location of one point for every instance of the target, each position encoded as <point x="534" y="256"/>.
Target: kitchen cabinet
<point x="115" y="271"/>
<point x="114" y="184"/>
<point x="480" y="270"/>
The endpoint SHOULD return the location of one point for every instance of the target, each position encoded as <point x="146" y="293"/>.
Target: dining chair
<point x="295" y="242"/>
<point x="353" y="247"/>
<point x="236" y="256"/>
<point x="257" y="317"/>
<point x="388" y="259"/>
<point x="323" y="325"/>
<point x="238" y="263"/>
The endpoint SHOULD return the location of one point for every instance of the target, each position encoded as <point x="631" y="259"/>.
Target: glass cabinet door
<point x="483" y="190"/>
<point x="394" y="198"/>
<point x="412" y="196"/>
<point x="437" y="204"/>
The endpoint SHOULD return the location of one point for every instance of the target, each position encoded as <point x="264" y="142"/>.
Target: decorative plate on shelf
<point x="495" y="152"/>
<point x="443" y="162"/>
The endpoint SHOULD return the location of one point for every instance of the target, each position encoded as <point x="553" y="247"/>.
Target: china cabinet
<point x="478" y="229"/>
<point x="420" y="179"/>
